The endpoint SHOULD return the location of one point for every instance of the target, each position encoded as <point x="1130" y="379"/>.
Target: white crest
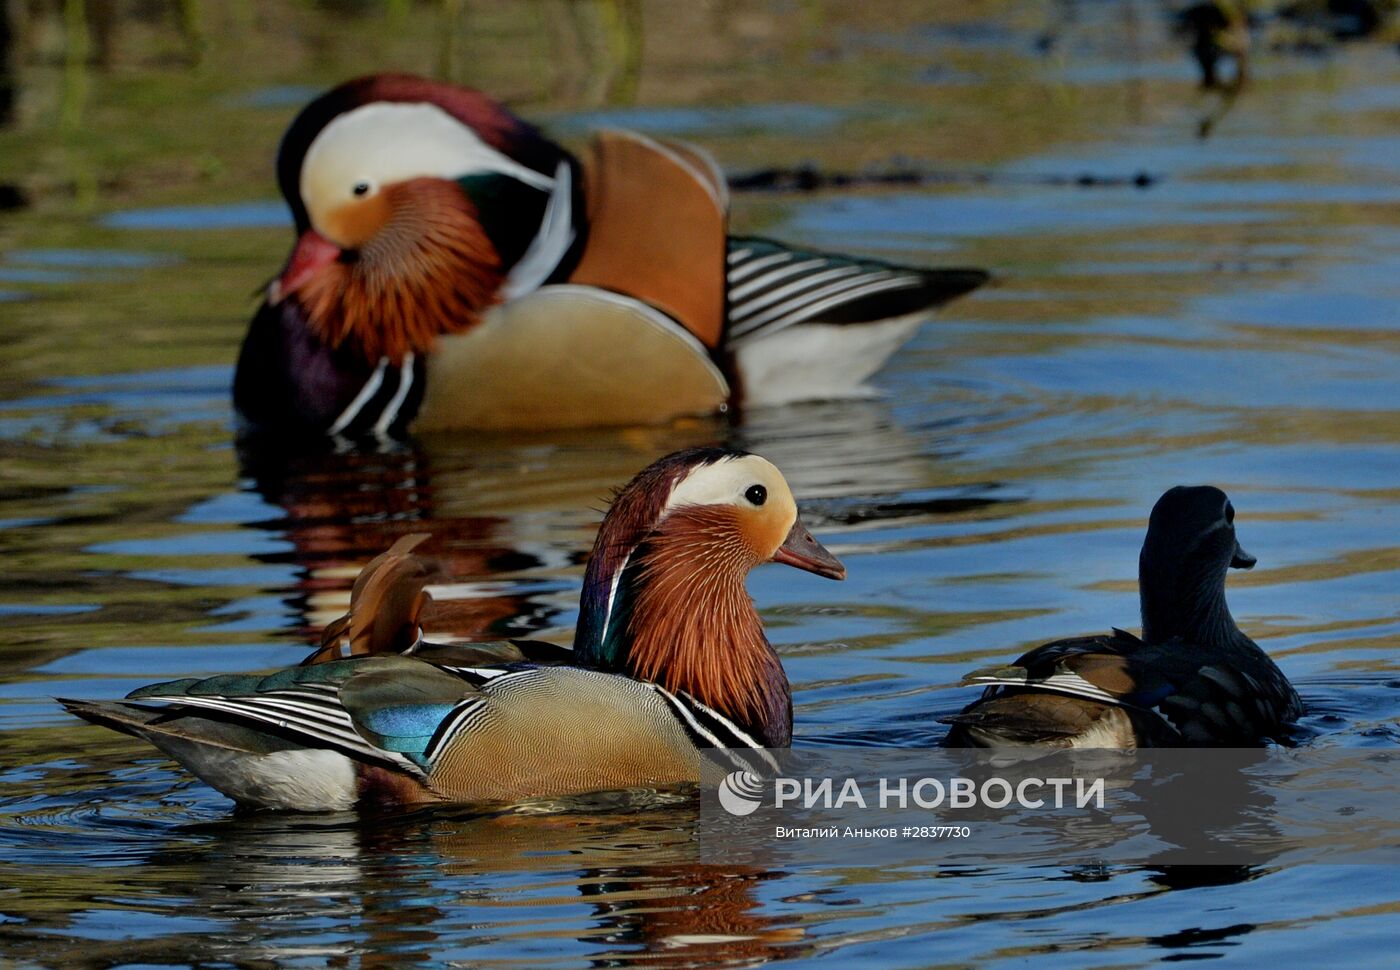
<point x="726" y="481"/>
<point x="384" y="142"/>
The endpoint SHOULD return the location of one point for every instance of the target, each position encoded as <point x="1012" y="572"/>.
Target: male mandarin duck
<point x="1194" y="679"/>
<point x="669" y="666"/>
<point x="455" y="268"/>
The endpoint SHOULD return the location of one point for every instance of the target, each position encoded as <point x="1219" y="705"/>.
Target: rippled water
<point x="1233" y="322"/>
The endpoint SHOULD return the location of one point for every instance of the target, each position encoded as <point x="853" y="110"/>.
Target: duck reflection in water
<point x="513" y="516"/>
<point x="620" y="874"/>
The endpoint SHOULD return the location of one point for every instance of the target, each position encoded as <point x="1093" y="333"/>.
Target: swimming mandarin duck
<point x="1193" y="679"/>
<point x="456" y="268"/>
<point x="670" y="665"/>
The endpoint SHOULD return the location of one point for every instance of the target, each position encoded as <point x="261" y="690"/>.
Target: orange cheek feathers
<point x="426" y="268"/>
<point x="356" y="223"/>
<point x="763" y="531"/>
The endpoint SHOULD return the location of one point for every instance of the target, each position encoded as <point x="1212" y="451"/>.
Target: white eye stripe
<point x="728" y="481"/>
<point x="387" y="142"/>
<point x="720" y="483"/>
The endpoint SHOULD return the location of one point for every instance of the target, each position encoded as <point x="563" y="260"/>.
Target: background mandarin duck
<point x="1193" y="679"/>
<point x="670" y="661"/>
<point x="455" y="268"/>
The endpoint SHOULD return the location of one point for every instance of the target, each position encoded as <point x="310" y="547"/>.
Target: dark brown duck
<point x="1193" y="679"/>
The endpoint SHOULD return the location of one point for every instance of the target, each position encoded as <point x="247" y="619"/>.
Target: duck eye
<point x="360" y="189"/>
<point x="756" y="494"/>
<point x="1230" y="513"/>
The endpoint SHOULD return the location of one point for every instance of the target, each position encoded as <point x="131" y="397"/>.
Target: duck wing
<point x="773" y="286"/>
<point x="314" y="738"/>
<point x="382" y="709"/>
<point x="1116" y="669"/>
<point x="1208" y="697"/>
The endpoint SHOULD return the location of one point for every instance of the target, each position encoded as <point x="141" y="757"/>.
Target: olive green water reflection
<point x="1233" y="321"/>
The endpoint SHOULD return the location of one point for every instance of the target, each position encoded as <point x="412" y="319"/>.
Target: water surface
<point x="1232" y="322"/>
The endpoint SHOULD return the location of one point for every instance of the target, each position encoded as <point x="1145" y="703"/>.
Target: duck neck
<point x="682" y="619"/>
<point x="1190" y="606"/>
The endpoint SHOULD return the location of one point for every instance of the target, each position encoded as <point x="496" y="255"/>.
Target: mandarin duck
<point x="670" y="667"/>
<point x="455" y="268"/>
<point x="1193" y="679"/>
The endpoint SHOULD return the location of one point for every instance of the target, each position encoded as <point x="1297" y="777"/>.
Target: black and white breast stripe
<point x="772" y="287"/>
<point x="466" y="716"/>
<point x="707" y="729"/>
<point x="474" y="711"/>
<point x="385" y="403"/>
<point x="312" y="712"/>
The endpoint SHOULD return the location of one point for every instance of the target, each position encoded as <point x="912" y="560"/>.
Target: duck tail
<point x="126" y="718"/>
<point x="253" y="768"/>
<point x="804" y="325"/>
<point x="166" y="728"/>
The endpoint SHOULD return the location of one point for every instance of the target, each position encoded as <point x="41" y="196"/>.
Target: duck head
<point x="664" y="597"/>
<point x="415" y="202"/>
<point x="1190" y="546"/>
